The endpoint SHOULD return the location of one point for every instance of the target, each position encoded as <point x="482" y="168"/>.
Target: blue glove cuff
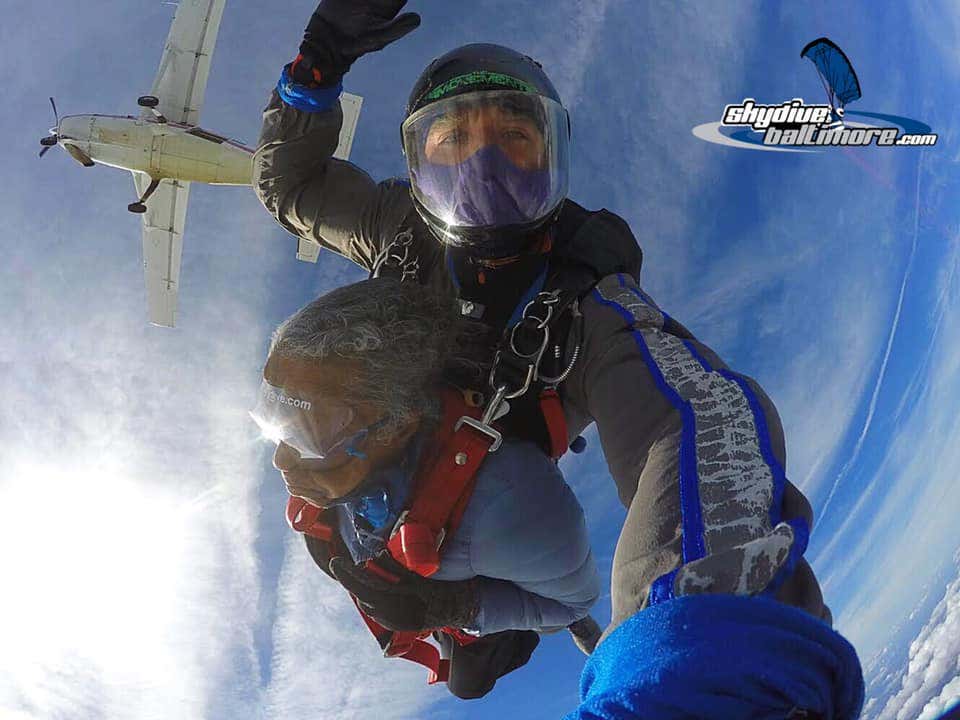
<point x="721" y="656"/>
<point x="304" y="98"/>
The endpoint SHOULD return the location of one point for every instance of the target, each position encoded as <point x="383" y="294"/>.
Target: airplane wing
<point x="182" y="78"/>
<point x="162" y="243"/>
<point x="350" y="105"/>
<point x="307" y="250"/>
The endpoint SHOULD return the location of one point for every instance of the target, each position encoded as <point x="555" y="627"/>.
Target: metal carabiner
<point x="548" y="299"/>
<point x="537" y="354"/>
<point x="492" y="380"/>
<point x="554" y="381"/>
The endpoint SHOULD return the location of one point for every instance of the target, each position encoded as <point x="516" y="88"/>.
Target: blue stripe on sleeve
<point x="667" y="320"/>
<point x="692" y="542"/>
<point x="662" y="588"/>
<point x="763" y="435"/>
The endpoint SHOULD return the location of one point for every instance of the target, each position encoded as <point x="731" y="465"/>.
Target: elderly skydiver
<point x="696" y="450"/>
<point x="369" y="431"/>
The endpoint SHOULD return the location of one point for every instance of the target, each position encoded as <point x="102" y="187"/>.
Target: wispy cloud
<point x="901" y="511"/>
<point x="878" y="384"/>
<point x="325" y="663"/>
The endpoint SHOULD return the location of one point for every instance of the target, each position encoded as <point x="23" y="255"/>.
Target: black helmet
<point x="487" y="146"/>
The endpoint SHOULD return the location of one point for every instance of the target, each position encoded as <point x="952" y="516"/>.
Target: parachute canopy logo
<point x="794" y="126"/>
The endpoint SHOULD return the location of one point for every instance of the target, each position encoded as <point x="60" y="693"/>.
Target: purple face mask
<point x="485" y="189"/>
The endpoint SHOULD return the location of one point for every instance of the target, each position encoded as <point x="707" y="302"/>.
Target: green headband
<point x="479" y="77"/>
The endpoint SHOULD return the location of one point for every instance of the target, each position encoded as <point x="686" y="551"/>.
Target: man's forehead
<point x="307" y="374"/>
<point x="491" y="109"/>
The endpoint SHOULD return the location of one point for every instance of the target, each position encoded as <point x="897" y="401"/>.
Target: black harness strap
<point x="588" y="246"/>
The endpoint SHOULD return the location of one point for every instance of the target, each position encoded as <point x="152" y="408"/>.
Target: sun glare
<point x="268" y="431"/>
<point x="93" y="569"/>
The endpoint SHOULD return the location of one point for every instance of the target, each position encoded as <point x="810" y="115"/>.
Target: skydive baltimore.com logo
<point x="794" y="126"/>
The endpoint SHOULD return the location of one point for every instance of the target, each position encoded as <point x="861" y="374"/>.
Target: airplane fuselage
<point x="158" y="149"/>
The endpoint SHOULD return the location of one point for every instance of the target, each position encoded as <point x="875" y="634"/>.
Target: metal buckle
<point x="403" y="517"/>
<point x="397" y="524"/>
<point x="492" y="380"/>
<point x="554" y="381"/>
<point x="482" y="427"/>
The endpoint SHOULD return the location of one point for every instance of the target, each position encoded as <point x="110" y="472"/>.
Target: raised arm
<point x="310" y="193"/>
<point x="697" y="452"/>
<point x="315" y="196"/>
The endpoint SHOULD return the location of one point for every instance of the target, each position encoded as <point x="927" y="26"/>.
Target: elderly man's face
<point x="323" y="383"/>
<point x="454" y="138"/>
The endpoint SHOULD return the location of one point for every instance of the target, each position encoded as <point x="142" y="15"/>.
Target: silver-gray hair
<point x="404" y="341"/>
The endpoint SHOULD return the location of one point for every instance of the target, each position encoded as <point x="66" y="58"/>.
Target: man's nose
<point x="484" y="133"/>
<point x="285" y="457"/>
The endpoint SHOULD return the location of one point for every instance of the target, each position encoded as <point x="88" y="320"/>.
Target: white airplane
<point x="166" y="150"/>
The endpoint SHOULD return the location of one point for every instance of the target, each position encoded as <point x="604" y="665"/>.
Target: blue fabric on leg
<point x="721" y="656"/>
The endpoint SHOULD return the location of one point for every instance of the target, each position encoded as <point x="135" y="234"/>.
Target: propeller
<point x="52" y="139"/>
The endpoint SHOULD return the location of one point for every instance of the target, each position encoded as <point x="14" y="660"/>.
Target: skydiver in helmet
<point x="709" y="564"/>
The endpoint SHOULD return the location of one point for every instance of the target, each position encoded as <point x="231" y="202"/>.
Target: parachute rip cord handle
<point x="552" y="382"/>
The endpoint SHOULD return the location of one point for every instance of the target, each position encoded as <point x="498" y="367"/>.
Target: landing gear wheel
<point x="148" y="101"/>
<point x="137" y="207"/>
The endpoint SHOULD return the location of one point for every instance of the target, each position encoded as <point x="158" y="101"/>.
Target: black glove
<point x="586" y="634"/>
<point x="414" y="603"/>
<point x="340" y="31"/>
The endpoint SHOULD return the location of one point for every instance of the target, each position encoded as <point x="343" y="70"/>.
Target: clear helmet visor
<point x="488" y="159"/>
<point x="314" y="430"/>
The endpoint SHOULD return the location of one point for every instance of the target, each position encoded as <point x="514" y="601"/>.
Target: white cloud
<point x="930" y="684"/>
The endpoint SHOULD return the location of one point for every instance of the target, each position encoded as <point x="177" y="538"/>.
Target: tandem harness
<point x="442" y="488"/>
<point x="523" y="401"/>
<point x="532" y="358"/>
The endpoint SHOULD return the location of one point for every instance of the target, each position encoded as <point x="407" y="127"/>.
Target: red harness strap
<point x="443" y="486"/>
<point x="556" y="422"/>
<point x="305" y="518"/>
<point x="410" y="646"/>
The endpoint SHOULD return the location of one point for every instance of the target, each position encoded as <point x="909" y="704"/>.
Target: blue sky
<point x="140" y="521"/>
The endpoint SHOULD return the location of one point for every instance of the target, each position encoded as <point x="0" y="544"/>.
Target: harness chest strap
<point x="441" y="493"/>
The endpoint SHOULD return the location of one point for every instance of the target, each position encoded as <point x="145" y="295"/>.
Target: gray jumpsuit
<point x="697" y="451"/>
